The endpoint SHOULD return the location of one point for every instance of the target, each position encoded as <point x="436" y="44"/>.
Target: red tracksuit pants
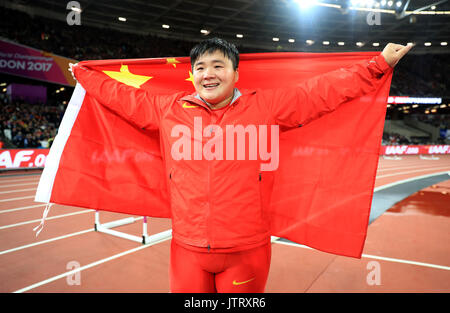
<point x="243" y="271"/>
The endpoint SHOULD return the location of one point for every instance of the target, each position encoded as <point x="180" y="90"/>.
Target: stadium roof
<point x="341" y="23"/>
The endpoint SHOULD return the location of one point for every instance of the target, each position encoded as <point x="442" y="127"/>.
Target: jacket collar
<point x="195" y="98"/>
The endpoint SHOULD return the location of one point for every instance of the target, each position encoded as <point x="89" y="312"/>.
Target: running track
<point x="406" y="249"/>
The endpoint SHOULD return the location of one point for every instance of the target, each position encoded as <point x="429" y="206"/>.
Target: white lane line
<point x="447" y="268"/>
<point x="14" y="199"/>
<point x="413" y="166"/>
<point x="17" y="190"/>
<point x="441" y="267"/>
<point x="15" y="185"/>
<point x="22" y="208"/>
<point x="28" y="179"/>
<point x="160" y="237"/>
<point x="48" y="218"/>
<point x="46" y="241"/>
<point x="409" y="180"/>
<point x="415" y="171"/>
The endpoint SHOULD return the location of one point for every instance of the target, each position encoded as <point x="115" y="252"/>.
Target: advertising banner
<point x="20" y="60"/>
<point x="413" y="150"/>
<point x="23" y="158"/>
<point x="34" y="158"/>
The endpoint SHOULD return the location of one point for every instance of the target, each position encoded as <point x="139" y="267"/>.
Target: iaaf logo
<point x="401" y="150"/>
<point x="16" y="158"/>
<point x="438" y="149"/>
<point x="396" y="149"/>
<point x="189" y="147"/>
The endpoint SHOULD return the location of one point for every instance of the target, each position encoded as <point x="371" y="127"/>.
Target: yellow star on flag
<point x="172" y="61"/>
<point x="191" y="78"/>
<point x="130" y="79"/>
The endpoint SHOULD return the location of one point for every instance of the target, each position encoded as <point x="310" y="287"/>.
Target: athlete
<point x="221" y="239"/>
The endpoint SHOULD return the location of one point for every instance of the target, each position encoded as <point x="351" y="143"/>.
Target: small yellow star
<point x="130" y="79"/>
<point x="191" y="78"/>
<point x="172" y="61"/>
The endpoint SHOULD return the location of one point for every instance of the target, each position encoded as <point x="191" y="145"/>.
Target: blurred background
<point x="40" y="37"/>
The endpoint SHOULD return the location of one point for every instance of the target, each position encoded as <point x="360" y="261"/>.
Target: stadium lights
<point x="239" y="35"/>
<point x="204" y="31"/>
<point x="165" y="26"/>
<point x="291" y="40"/>
<point x="309" y="42"/>
<point x="122" y="19"/>
<point x="275" y="39"/>
<point x="325" y="43"/>
<point x="359" y="44"/>
<point x="341" y="43"/>
<point x="376" y="44"/>
<point x="397" y="7"/>
<point x="444" y="43"/>
<point x="427" y="44"/>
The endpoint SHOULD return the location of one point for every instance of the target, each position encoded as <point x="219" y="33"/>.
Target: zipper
<point x="208" y="220"/>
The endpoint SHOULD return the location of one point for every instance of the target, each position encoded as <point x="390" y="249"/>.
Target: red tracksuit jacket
<point x="218" y="203"/>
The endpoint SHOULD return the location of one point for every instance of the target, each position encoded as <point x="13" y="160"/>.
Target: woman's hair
<point x="215" y="44"/>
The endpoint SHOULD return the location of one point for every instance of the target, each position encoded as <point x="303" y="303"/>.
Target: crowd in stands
<point x="416" y="75"/>
<point x="390" y="139"/>
<point x="441" y="120"/>
<point x="34" y="126"/>
<point x="29" y="126"/>
<point x="422" y="76"/>
<point x="91" y="43"/>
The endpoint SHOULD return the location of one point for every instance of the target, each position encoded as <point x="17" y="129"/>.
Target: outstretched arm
<point x="324" y="93"/>
<point x="133" y="104"/>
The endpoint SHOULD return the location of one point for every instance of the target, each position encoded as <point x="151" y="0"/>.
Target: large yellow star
<point x="130" y="79"/>
<point x="172" y="61"/>
<point x="191" y="78"/>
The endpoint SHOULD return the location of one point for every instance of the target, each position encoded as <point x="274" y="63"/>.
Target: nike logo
<point x="187" y="106"/>
<point x="242" y="282"/>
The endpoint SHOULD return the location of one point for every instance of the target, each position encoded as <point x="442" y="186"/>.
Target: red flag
<point x="322" y="190"/>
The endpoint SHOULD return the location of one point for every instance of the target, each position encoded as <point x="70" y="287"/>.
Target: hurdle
<point x="144" y="239"/>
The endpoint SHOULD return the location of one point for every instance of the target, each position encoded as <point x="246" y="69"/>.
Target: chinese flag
<point x="322" y="190"/>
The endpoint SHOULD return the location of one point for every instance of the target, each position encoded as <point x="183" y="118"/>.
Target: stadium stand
<point x="30" y="125"/>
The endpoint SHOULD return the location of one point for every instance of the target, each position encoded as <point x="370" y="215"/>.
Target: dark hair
<point x="215" y="44"/>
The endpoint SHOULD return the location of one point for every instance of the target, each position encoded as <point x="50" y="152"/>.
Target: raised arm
<point x="133" y="104"/>
<point x="324" y="93"/>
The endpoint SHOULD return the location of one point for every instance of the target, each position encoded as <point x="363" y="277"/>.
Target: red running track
<point x="406" y="248"/>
